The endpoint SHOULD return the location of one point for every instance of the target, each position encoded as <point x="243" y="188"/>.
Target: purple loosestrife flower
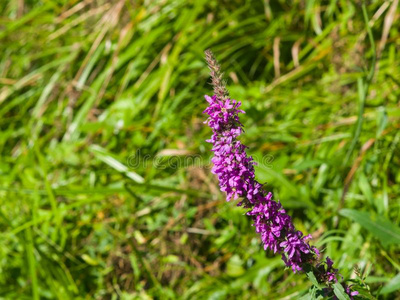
<point x="350" y="292"/>
<point x="235" y="171"/>
<point x="236" y="176"/>
<point x="330" y="271"/>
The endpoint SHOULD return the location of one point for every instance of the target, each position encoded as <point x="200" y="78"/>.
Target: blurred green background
<point x="105" y="183"/>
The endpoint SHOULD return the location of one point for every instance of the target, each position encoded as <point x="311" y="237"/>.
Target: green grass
<point x="84" y="85"/>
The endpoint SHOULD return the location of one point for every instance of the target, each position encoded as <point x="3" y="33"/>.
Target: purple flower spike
<point x="235" y="171"/>
<point x="236" y="176"/>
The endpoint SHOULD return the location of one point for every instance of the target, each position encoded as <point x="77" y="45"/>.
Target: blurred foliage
<point x="101" y="106"/>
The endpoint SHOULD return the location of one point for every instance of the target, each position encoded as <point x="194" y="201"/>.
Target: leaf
<point x="365" y="188"/>
<point x="379" y="226"/>
<point x="89" y="260"/>
<point x="363" y="293"/>
<point x="234" y="266"/>
<point x="105" y="157"/>
<point x="310" y="294"/>
<point x="170" y="259"/>
<point x="339" y="292"/>
<point x="312" y="278"/>
<point x="381" y="121"/>
<point x="313" y="294"/>
<point x="392" y="285"/>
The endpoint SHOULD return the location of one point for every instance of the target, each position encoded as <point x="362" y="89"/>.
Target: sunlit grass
<point x="84" y="85"/>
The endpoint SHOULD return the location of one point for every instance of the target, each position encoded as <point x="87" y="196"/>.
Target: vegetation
<point x="105" y="183"/>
